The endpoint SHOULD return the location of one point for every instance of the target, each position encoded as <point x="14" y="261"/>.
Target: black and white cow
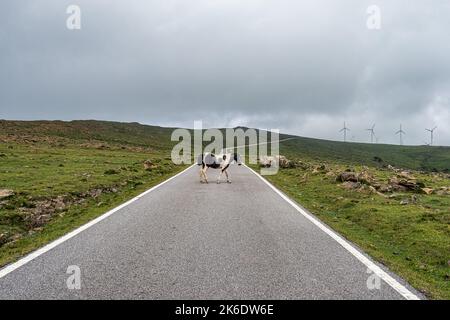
<point x="222" y="162"/>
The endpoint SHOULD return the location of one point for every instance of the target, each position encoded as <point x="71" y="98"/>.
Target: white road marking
<point x="10" y="268"/>
<point x="401" y="289"/>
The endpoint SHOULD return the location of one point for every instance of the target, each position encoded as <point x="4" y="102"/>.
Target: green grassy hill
<point x="55" y="175"/>
<point x="424" y="158"/>
<point x="134" y="134"/>
<point x="116" y="133"/>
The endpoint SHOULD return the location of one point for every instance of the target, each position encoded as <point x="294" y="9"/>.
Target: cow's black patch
<point x="214" y="165"/>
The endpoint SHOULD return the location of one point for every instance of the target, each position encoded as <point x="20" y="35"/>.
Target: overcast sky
<point x="303" y="67"/>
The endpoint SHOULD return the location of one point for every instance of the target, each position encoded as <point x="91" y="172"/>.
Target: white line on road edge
<point x="10" y="268"/>
<point x="407" y="294"/>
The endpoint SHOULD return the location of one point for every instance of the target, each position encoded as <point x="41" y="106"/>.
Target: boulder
<point x="283" y="162"/>
<point x="410" y="200"/>
<point x="375" y="191"/>
<point x="406" y="175"/>
<point x="443" y="191"/>
<point x="350" y="185"/>
<point x="3" y="238"/>
<point x="320" y="168"/>
<point x="347" y="176"/>
<point x="6" y="193"/>
<point x="385" y="188"/>
<point x="266" y="161"/>
<point x="149" y="165"/>
<point x="302" y="165"/>
<point x="391" y="168"/>
<point x="365" y="177"/>
<point x="330" y="174"/>
<point x="412" y="185"/>
<point x="405" y="184"/>
<point x="427" y="190"/>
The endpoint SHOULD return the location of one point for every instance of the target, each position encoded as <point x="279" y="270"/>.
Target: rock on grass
<point x="6" y="193"/>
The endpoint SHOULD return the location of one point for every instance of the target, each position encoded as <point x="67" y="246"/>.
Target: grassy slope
<point x="411" y="157"/>
<point x="43" y="160"/>
<point x="413" y="240"/>
<point x="123" y="134"/>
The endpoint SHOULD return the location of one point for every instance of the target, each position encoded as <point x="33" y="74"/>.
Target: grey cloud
<point x="301" y="66"/>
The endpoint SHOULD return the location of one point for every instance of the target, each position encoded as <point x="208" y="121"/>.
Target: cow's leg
<point x="201" y="173"/>
<point x="228" y="177"/>
<point x="204" y="174"/>
<point x="222" y="170"/>
<point x="203" y="177"/>
<point x="220" y="176"/>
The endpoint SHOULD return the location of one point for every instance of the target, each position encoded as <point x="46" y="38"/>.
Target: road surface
<point x="186" y="240"/>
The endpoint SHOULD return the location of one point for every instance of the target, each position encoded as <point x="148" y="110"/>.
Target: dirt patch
<point x="39" y="212"/>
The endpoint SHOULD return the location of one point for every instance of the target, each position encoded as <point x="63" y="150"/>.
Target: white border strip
<point x="407" y="294"/>
<point x="10" y="268"/>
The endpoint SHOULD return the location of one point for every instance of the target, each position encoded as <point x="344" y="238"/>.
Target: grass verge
<point x="412" y="239"/>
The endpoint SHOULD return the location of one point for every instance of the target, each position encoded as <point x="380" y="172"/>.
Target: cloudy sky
<point x="304" y="67"/>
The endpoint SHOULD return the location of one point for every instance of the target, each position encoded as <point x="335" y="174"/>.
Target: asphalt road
<point x="187" y="240"/>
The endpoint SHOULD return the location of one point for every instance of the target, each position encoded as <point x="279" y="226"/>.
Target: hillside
<point x="410" y="157"/>
<point x="55" y="176"/>
<point x="134" y="134"/>
<point x="116" y="133"/>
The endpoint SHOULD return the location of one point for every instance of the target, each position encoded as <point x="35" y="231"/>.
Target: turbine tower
<point x="431" y="133"/>
<point x="401" y="133"/>
<point x="345" y="129"/>
<point x="372" y="133"/>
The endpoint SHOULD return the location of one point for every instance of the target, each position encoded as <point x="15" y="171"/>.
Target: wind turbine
<point x="372" y="133"/>
<point x="345" y="129"/>
<point x="401" y="133"/>
<point x="431" y="133"/>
